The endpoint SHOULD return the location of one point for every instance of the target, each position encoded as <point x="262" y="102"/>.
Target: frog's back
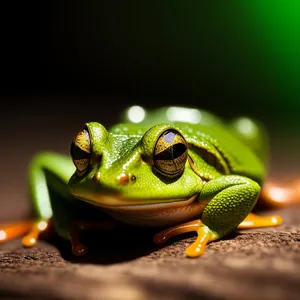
<point x="239" y="157"/>
<point x="200" y="125"/>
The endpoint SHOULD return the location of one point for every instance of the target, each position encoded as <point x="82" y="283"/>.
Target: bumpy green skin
<point x="230" y="161"/>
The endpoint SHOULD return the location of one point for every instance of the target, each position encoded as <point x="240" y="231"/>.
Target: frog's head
<point x="121" y="169"/>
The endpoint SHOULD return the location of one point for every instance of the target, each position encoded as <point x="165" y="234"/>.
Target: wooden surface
<point x="252" y="264"/>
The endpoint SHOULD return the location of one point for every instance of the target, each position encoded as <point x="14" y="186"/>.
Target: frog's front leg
<point x="48" y="175"/>
<point x="31" y="228"/>
<point x="231" y="198"/>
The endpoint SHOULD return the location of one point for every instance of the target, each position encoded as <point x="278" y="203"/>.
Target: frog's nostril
<point x="126" y="178"/>
<point x="96" y="176"/>
<point x="133" y="178"/>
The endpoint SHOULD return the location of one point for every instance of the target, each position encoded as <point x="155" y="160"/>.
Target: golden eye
<point x="81" y="151"/>
<point x="170" y="153"/>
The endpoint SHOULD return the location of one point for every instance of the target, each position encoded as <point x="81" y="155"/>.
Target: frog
<point x="174" y="169"/>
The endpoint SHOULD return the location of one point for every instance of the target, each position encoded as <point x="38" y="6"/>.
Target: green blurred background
<point x="228" y="56"/>
<point x="231" y="56"/>
<point x="68" y="62"/>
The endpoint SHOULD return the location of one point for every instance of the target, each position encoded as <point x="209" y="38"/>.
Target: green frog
<point x="173" y="169"/>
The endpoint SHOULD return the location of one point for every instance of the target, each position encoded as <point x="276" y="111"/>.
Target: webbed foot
<point x="197" y="248"/>
<point x="32" y="229"/>
<point x="205" y="235"/>
<point x="37" y="227"/>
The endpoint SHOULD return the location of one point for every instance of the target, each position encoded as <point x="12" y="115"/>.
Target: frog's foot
<point x="36" y="228"/>
<point x="281" y="194"/>
<point x="205" y="235"/>
<point x="165" y="235"/>
<point x="254" y="221"/>
<point x="13" y="230"/>
<point x="78" y="248"/>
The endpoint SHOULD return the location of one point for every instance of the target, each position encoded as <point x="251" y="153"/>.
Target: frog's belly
<point x="158" y="215"/>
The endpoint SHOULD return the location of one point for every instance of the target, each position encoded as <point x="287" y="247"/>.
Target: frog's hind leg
<point x="254" y="134"/>
<point x="275" y="194"/>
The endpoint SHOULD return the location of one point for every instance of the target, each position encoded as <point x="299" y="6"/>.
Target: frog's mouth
<point x="153" y="213"/>
<point x="112" y="202"/>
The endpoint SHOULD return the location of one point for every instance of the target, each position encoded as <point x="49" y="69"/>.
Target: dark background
<point x="64" y="63"/>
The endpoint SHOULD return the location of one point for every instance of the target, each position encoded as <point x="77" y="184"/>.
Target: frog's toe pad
<point x="79" y="250"/>
<point x="29" y="241"/>
<point x="195" y="250"/>
<point x="205" y="235"/>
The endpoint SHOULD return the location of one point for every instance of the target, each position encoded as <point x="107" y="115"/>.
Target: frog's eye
<point x="170" y="153"/>
<point x="81" y="151"/>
